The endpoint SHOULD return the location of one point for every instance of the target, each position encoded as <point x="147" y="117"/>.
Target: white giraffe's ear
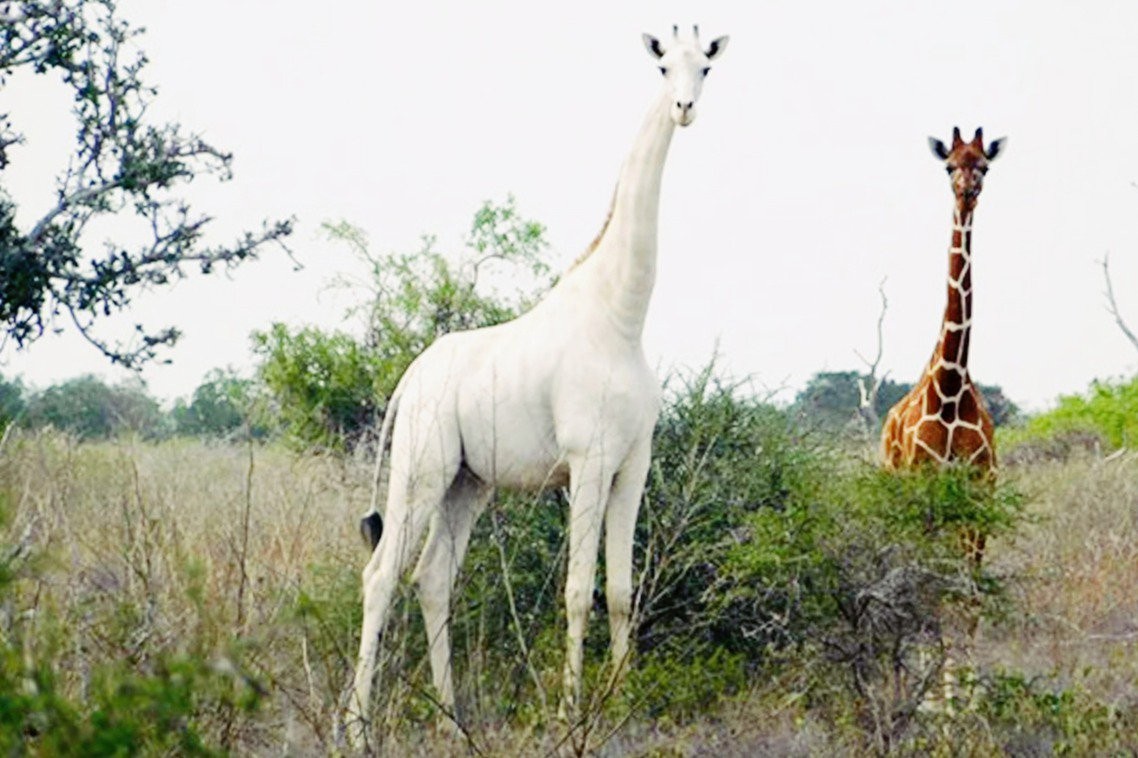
<point x="653" y="45"/>
<point x="996" y="148"/>
<point x="938" y="148"/>
<point x="716" y="48"/>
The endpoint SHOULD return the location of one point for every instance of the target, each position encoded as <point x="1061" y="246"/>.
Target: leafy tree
<point x="124" y="165"/>
<point x="11" y="401"/>
<point x="1000" y="406"/>
<point x="91" y="409"/>
<point x="830" y="400"/>
<point x="221" y="405"/>
<point x="328" y="388"/>
<point x="322" y="385"/>
<point x="416" y="298"/>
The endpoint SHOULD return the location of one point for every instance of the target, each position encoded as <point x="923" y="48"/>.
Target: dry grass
<point x="1076" y="569"/>
<point x="187" y="548"/>
<point x="250" y="555"/>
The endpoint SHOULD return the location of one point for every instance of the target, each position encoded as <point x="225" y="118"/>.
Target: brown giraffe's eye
<point x="949" y="169"/>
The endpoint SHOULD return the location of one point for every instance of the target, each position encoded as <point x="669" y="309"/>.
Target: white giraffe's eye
<point x="707" y="71"/>
<point x="663" y="70"/>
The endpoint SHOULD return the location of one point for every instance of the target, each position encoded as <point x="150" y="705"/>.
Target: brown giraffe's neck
<point x="951" y="354"/>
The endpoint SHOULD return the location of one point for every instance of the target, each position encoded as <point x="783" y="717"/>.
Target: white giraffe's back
<point x="527" y="392"/>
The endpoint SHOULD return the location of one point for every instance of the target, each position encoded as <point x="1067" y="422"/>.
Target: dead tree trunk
<point x="869" y="384"/>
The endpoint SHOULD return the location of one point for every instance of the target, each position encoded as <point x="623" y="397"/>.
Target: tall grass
<point x="152" y="553"/>
<point x="1078" y="562"/>
<point x="214" y="589"/>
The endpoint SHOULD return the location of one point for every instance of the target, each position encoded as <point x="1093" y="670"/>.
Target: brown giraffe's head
<point x="967" y="162"/>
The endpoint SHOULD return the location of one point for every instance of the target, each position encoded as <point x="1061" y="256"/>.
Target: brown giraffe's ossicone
<point x="943" y="420"/>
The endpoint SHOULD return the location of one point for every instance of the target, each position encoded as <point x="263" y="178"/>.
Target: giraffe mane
<point x="596" y="240"/>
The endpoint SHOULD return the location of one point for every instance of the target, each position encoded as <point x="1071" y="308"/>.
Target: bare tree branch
<point x="1112" y="305"/>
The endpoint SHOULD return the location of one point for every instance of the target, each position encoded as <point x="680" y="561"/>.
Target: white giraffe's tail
<point x="371" y="525"/>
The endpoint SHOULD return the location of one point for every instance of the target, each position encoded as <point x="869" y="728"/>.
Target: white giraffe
<point x="560" y="395"/>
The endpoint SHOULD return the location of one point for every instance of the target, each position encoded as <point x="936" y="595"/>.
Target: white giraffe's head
<point x="684" y="64"/>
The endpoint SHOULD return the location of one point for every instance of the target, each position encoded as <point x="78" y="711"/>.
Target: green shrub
<point x="322" y="385"/>
<point x="853" y="579"/>
<point x="662" y="687"/>
<point x="720" y="455"/>
<point x="1108" y="409"/>
<point x="1036" y="716"/>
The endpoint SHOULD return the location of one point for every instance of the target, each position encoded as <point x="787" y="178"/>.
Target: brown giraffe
<point x="943" y="419"/>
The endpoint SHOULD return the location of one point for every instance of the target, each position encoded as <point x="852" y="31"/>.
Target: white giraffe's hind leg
<point x="419" y="483"/>
<point x="389" y="561"/>
<point x="438" y="567"/>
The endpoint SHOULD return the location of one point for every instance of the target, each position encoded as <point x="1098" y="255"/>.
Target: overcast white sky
<point x="804" y="181"/>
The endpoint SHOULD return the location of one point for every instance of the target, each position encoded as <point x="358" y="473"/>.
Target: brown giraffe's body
<point x="943" y="419"/>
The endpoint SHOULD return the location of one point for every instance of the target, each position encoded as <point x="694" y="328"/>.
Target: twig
<point x="1112" y="305"/>
<point x="515" y="620"/>
<point x="243" y="557"/>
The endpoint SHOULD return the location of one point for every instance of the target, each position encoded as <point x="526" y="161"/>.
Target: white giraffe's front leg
<point x="590" y="483"/>
<point x="620" y="530"/>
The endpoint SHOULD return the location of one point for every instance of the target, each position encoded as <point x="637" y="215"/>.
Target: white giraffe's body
<point x="560" y="395"/>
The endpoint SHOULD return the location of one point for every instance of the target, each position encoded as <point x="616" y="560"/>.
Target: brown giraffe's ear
<point x="653" y="45"/>
<point x="938" y="148"/>
<point x="996" y="148"/>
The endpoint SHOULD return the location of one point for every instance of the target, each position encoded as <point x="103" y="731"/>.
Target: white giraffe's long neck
<point x="625" y="259"/>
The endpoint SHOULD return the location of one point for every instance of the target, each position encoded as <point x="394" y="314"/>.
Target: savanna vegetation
<point x="187" y="580"/>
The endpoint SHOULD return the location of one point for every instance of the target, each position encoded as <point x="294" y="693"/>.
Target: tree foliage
<point x="321" y="385"/>
<point x="124" y="165"/>
<point x="11" y="401"/>
<point x="328" y="388"/>
<point x="830" y="400"/>
<point x="91" y="409"/>
<point x="415" y="298"/>
<point x="221" y="405"/>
